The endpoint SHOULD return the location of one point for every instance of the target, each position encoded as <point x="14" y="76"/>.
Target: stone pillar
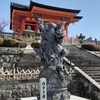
<point x="43" y="91"/>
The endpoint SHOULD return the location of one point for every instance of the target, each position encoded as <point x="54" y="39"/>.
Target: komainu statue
<point x="52" y="50"/>
<point x="52" y="54"/>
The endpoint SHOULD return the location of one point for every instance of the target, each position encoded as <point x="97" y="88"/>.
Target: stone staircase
<point x="94" y="72"/>
<point x="86" y="61"/>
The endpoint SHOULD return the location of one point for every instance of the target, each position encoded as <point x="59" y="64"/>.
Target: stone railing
<point x="88" y="77"/>
<point x="91" y="87"/>
<point x="19" y="75"/>
<point x="96" y="53"/>
<point x="84" y="74"/>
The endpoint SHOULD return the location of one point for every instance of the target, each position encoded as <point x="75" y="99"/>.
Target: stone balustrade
<point x="8" y="75"/>
<point x="90" y="86"/>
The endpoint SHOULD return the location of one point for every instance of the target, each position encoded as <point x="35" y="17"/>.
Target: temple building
<point x="23" y="16"/>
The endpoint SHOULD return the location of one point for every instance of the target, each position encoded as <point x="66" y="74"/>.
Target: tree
<point x="3" y="24"/>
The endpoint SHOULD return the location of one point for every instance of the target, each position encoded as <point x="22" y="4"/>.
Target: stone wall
<point x="16" y="89"/>
<point x="10" y="56"/>
<point x="81" y="87"/>
<point x="19" y="90"/>
<point x="77" y="86"/>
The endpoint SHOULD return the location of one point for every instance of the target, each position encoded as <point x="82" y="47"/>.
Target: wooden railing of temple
<point x="71" y="40"/>
<point x="8" y="75"/>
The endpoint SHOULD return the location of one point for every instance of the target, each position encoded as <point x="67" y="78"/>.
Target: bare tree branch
<point x="3" y="24"/>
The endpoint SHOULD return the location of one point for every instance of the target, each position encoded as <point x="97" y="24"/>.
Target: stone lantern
<point x="29" y="34"/>
<point x="37" y="37"/>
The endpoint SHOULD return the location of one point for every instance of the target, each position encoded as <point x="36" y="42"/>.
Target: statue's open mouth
<point x="60" y="37"/>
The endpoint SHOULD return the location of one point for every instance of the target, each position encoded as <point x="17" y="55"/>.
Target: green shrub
<point x="1" y="41"/>
<point x="9" y="42"/>
<point x="20" y="39"/>
<point x="91" y="47"/>
<point x="21" y="44"/>
<point x="36" y="45"/>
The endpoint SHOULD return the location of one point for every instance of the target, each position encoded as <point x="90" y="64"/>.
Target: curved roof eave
<point x="78" y="17"/>
<point x="29" y="8"/>
<point x="53" y="8"/>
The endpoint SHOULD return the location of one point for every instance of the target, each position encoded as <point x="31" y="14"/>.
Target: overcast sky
<point x="90" y="10"/>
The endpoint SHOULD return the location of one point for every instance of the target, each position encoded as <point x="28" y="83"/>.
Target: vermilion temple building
<point x="23" y="16"/>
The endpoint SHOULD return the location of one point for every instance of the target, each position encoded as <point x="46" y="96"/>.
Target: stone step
<point x="87" y="65"/>
<point x="96" y="77"/>
<point x="92" y="72"/>
<point x="97" y="80"/>
<point x="90" y="68"/>
<point x="80" y="52"/>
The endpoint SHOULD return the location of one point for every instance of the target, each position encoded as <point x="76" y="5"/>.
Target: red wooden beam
<point x="53" y="12"/>
<point x="73" y="20"/>
<point x="22" y="26"/>
<point x="22" y="15"/>
<point x="23" y="12"/>
<point x="31" y="21"/>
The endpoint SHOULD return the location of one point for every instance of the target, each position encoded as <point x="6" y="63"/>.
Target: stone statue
<point x="52" y="50"/>
<point x="52" y="54"/>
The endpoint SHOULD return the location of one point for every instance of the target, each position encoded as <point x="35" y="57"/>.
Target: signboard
<point x="43" y="92"/>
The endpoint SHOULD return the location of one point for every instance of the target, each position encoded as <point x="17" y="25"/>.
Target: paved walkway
<point x="72" y="98"/>
<point x="77" y="98"/>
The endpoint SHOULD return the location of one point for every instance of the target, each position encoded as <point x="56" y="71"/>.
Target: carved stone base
<point x="56" y="89"/>
<point x="29" y="49"/>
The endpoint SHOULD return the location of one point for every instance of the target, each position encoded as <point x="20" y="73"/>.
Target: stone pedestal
<point x="28" y="48"/>
<point x="56" y="89"/>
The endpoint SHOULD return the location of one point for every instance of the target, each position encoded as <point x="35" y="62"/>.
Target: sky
<point x="89" y="25"/>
